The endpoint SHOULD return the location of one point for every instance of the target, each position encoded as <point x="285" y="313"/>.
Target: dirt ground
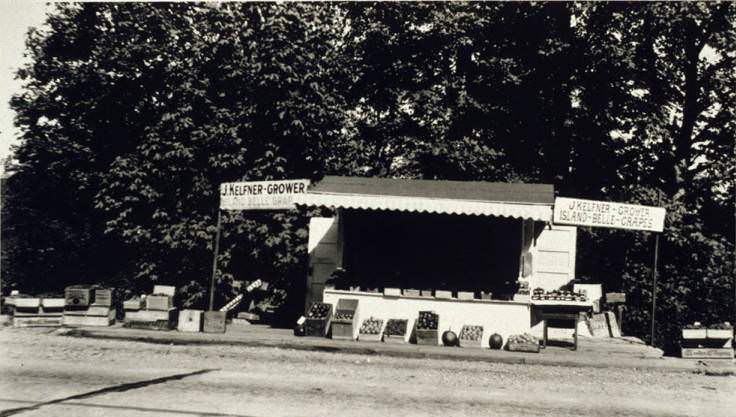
<point x="46" y="374"/>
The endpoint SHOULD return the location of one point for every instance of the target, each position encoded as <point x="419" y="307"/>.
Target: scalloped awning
<point x="525" y="201"/>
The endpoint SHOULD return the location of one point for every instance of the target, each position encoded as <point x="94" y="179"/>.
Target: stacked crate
<point x="714" y="342"/>
<point x="343" y="322"/>
<point x="38" y="312"/>
<point x="155" y="311"/>
<point x="88" y="306"/>
<point x="426" y="328"/>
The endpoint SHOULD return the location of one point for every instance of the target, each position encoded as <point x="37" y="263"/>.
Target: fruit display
<point x="428" y="320"/>
<point x="319" y="310"/>
<point x="523" y="339"/>
<point x="495" y="341"/>
<point x="371" y="326"/>
<point x="471" y="332"/>
<point x="395" y="327"/>
<point x="720" y="326"/>
<point x="343" y="315"/>
<point x="559" y="295"/>
<point x="449" y="338"/>
<point x="695" y="325"/>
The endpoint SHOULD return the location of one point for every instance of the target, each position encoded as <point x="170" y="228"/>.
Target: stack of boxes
<point x="86" y="305"/>
<point x="155" y="311"/>
<point x="37" y="312"/>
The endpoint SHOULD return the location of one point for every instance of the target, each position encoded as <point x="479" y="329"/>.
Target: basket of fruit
<point x="370" y="330"/>
<point x="522" y="343"/>
<point x="720" y="331"/>
<point x="318" y="318"/>
<point x="694" y="331"/>
<point x="471" y="336"/>
<point x="395" y="331"/>
<point x="427" y="324"/>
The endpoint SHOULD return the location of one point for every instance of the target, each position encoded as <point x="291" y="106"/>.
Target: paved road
<point x="45" y="374"/>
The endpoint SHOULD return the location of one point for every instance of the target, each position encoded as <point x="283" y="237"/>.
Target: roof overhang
<point x="523" y="201"/>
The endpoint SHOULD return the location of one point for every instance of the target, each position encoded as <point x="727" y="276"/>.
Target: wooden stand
<point x="707" y="344"/>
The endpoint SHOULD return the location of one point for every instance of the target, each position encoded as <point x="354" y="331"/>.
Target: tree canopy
<point x="132" y="114"/>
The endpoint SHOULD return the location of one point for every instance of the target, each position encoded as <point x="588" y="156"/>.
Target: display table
<point x="495" y="316"/>
<point x="563" y="311"/>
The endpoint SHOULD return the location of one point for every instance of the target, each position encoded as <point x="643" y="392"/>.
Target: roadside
<point x="45" y="374"/>
<point x="624" y="352"/>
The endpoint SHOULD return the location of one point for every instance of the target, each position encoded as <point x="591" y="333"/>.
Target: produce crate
<point x="425" y="293"/>
<point x="318" y="326"/>
<point x="694" y="333"/>
<point x="485" y="295"/>
<point x="27" y="303"/>
<point x="341" y="330"/>
<point x="395" y="324"/>
<point x="158" y="302"/>
<point x="392" y="292"/>
<point x="443" y="294"/>
<point x="134" y="304"/>
<point x="719" y="333"/>
<point x="342" y="323"/>
<point x="214" y="321"/>
<point x="427" y="337"/>
<point x="467" y="342"/>
<point x="52" y="303"/>
<point x="411" y="293"/>
<point x="103" y="297"/>
<point x="190" y="321"/>
<point x="79" y="295"/>
<point x="707" y="353"/>
<point x="372" y="337"/>
<point x="164" y="290"/>
<point x="465" y="295"/>
<point x="522" y="347"/>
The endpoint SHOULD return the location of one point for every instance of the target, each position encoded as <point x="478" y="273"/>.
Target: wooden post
<point x="214" y="260"/>
<point x="654" y="277"/>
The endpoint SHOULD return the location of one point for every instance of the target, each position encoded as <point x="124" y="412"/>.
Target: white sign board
<point x="578" y="212"/>
<point x="261" y="195"/>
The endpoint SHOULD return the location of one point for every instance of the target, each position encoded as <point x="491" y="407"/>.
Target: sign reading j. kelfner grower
<point x="261" y="195"/>
<point x="580" y="212"/>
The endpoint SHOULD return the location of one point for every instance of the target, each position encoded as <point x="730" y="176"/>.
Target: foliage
<point x="133" y="114"/>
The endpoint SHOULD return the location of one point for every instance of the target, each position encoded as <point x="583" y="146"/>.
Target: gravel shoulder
<point x="41" y="366"/>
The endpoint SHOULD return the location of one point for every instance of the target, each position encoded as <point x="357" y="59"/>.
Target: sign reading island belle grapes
<point x="261" y="195"/>
<point x="579" y="212"/>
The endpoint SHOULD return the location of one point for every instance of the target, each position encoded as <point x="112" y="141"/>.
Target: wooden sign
<point x="261" y="195"/>
<point x="615" y="298"/>
<point x="579" y="212"/>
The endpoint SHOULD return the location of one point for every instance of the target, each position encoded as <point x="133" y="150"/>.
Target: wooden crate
<point x="103" y="297"/>
<point x="75" y="318"/>
<point x="522" y="347"/>
<point x="79" y="295"/>
<point x="28" y="303"/>
<point x="214" y="322"/>
<point x="694" y="333"/>
<point x="465" y="295"/>
<point x="134" y="304"/>
<point x="190" y="321"/>
<point x="443" y="294"/>
<point x="466" y="343"/>
<point x="150" y="315"/>
<point x="392" y="292"/>
<point x="52" y="303"/>
<point x="164" y="289"/>
<point x="316" y="327"/>
<point x="411" y="293"/>
<point x="363" y="337"/>
<point x="394" y="339"/>
<point x="158" y="302"/>
<point x="342" y="329"/>
<point x="425" y="293"/>
<point x="719" y="333"/>
<point x="707" y="353"/>
<point x="427" y="337"/>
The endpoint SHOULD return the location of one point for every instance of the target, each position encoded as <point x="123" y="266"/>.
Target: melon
<point x="449" y="338"/>
<point x="495" y="341"/>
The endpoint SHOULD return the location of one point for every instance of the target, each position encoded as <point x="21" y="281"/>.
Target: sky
<point x="16" y="16"/>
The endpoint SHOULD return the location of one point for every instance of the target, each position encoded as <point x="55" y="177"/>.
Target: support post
<point x="214" y="260"/>
<point x="654" y="286"/>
